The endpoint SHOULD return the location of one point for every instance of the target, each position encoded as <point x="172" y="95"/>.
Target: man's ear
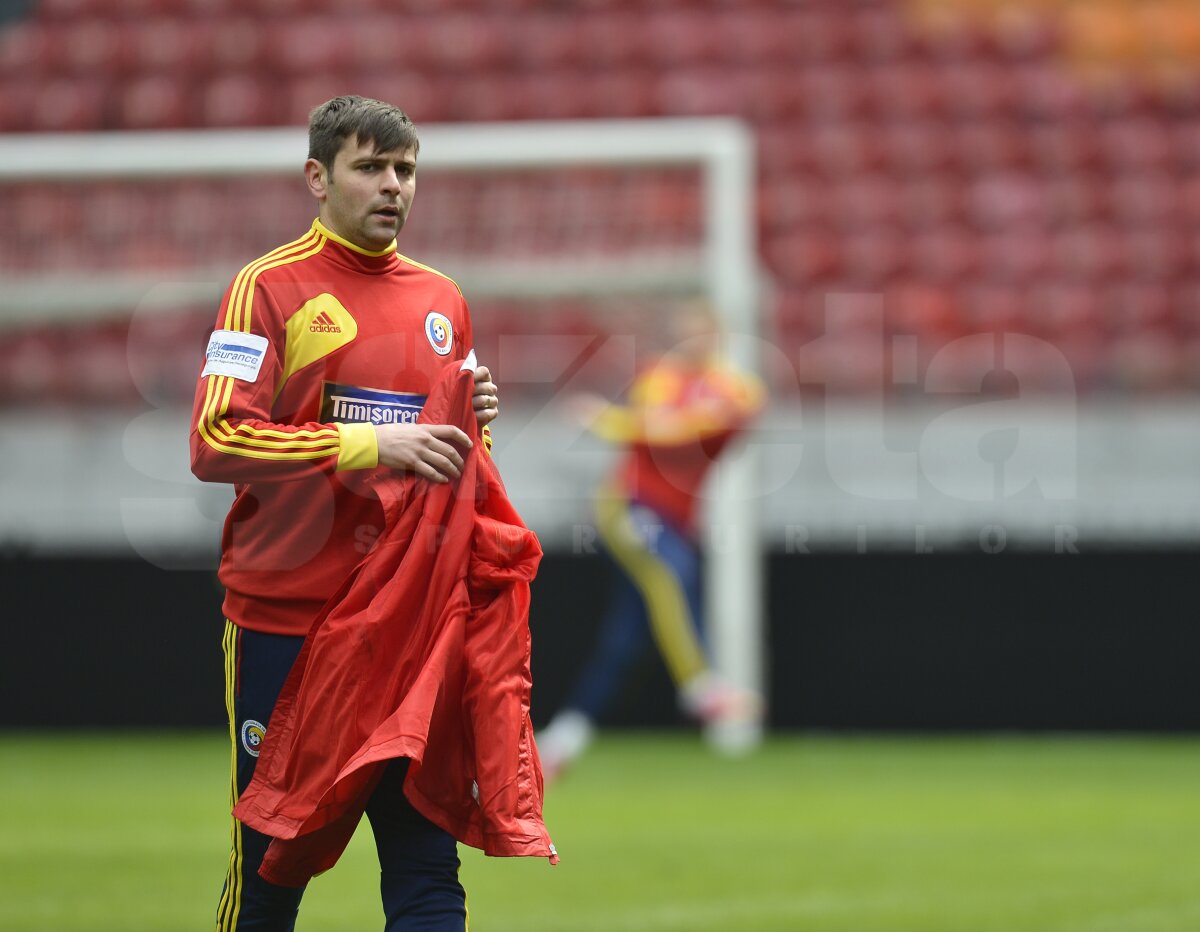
<point x="317" y="177"/>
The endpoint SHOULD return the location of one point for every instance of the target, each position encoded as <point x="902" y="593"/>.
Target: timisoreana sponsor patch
<point x="349" y="404"/>
<point x="238" y="355"/>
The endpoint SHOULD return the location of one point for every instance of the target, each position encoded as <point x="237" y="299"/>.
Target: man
<point x="683" y="411"/>
<point x="323" y="353"/>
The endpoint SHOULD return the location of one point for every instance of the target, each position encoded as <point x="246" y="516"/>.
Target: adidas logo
<point x="323" y="323"/>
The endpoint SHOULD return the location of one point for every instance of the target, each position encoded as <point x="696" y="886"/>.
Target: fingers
<point x="486" y="398"/>
<point x="432" y="451"/>
<point x="442" y="454"/>
<point x="449" y="434"/>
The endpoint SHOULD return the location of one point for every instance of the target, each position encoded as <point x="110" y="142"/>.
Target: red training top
<point x="315" y="344"/>
<point x="678" y="421"/>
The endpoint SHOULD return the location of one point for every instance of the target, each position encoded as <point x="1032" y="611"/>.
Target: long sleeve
<point x="234" y="437"/>
<point x="661" y="414"/>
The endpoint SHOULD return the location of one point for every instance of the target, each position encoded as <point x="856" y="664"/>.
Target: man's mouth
<point x="389" y="213"/>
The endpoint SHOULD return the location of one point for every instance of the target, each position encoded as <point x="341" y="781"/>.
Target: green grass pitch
<point x="128" y="832"/>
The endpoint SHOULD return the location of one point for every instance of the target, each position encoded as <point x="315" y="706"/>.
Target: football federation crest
<point x="252" y="736"/>
<point x="440" y="332"/>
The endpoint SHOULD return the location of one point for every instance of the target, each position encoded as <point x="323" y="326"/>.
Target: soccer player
<point x="323" y="353"/>
<point x="682" y="412"/>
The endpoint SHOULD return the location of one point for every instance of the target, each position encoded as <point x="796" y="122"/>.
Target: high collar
<point x="355" y="257"/>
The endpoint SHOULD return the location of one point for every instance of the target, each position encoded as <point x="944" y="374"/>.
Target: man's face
<point x="367" y="195"/>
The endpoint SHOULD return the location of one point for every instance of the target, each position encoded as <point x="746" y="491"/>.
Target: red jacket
<point x="424" y="654"/>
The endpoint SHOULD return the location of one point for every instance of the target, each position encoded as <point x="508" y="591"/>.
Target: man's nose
<point x="389" y="181"/>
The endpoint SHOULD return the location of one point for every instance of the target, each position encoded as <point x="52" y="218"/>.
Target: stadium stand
<point x="1026" y="165"/>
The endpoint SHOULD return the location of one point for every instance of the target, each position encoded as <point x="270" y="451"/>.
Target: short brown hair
<point x="374" y="121"/>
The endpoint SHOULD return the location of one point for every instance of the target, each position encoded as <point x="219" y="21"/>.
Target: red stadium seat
<point x="379" y="42"/>
<point x="614" y="40"/>
<point x="946" y="253"/>
<point x="30" y="49"/>
<point x="1002" y="200"/>
<point x="785" y="147"/>
<point x="156" y="102"/>
<point x="846" y="149"/>
<point x="310" y="45"/>
<point x="169" y="45"/>
<point x="1074" y="199"/>
<point x="71" y="104"/>
<point x="1070" y="146"/>
<point x="488" y="96"/>
<point x="1148" y="198"/>
<point x="708" y="91"/>
<point x="1046" y="91"/>
<point x="960" y="39"/>
<point x="873" y="257"/>
<point x="753" y="37"/>
<point x="789" y="202"/>
<point x="991" y="145"/>
<point x="544" y="40"/>
<point x="1157" y="254"/>
<point x="93" y="47"/>
<point x="816" y="34"/>
<point x="930" y="200"/>
<point x="1025" y="34"/>
<point x="862" y="201"/>
<point x="1015" y="254"/>
<point x="1185" y="144"/>
<point x="804" y="257"/>
<point x="1140" y="143"/>
<point x="880" y="34"/>
<point x="1188" y="201"/>
<point x="561" y="97"/>
<point x="912" y="91"/>
<point x="239" y="44"/>
<point x="1185" y="308"/>
<point x="682" y="37"/>
<point x="923" y="309"/>
<point x="916" y="147"/>
<point x="833" y="92"/>
<point x="237" y="100"/>
<point x="991" y="306"/>
<point x="776" y="94"/>
<point x="16" y="106"/>
<point x="71" y="10"/>
<point x="464" y="42"/>
<point x="977" y="91"/>
<point x="1086" y="253"/>
<point x="1139" y="306"/>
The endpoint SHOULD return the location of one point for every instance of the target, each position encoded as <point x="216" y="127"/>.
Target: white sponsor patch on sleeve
<point x="239" y="355"/>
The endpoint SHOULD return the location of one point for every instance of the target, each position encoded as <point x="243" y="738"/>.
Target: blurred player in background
<point x="320" y="363"/>
<point x="682" y="412"/>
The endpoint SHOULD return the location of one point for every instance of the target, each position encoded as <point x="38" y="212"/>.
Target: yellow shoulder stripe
<point x="242" y="297"/>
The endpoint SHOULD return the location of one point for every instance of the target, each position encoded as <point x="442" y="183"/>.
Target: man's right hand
<point x="428" y="450"/>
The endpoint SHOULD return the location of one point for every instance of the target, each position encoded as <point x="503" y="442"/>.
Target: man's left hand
<point x="486" y="399"/>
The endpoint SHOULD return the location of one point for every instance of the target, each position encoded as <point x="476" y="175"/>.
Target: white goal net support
<point x="565" y="237"/>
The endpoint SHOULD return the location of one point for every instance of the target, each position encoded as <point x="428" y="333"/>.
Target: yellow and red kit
<point x="315" y="344"/>
<point x="675" y="425"/>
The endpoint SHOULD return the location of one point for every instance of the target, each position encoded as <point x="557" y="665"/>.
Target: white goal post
<point x="724" y="267"/>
